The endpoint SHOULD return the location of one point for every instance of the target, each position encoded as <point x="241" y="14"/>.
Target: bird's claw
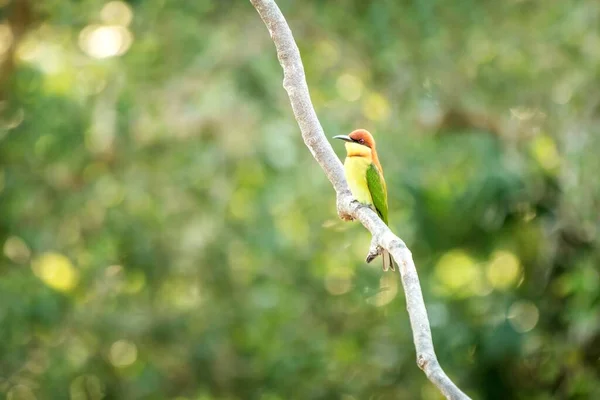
<point x="374" y="251"/>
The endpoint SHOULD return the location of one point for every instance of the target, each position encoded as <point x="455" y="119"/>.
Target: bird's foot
<point x="374" y="251"/>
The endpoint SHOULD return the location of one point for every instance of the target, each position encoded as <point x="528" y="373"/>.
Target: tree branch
<point x="294" y="82"/>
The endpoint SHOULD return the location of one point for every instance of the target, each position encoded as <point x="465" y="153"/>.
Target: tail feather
<point x="388" y="261"/>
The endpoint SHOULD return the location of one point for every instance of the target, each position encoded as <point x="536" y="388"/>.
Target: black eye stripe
<point x="359" y="141"/>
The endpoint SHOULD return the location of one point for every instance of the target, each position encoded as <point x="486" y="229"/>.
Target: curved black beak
<point x="345" y="138"/>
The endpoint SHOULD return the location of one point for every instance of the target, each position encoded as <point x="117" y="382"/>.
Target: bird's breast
<point x="356" y="175"/>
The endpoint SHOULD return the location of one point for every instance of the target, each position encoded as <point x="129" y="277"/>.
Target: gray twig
<point x="294" y="82"/>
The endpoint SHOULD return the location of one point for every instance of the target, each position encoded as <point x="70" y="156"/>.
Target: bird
<point x="365" y="178"/>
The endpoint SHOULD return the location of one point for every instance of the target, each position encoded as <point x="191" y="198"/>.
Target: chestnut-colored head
<point x="360" y="143"/>
<point x="360" y="137"/>
<point x="363" y="138"/>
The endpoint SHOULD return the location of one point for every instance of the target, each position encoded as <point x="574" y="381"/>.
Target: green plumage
<point x="378" y="191"/>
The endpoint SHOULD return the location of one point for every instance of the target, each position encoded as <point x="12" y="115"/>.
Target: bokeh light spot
<point x="109" y="191"/>
<point x="293" y="227"/>
<point x="48" y="57"/>
<point x="388" y="289"/>
<point x="56" y="271"/>
<point x="327" y="53"/>
<point x="16" y="250"/>
<point x="6" y="38"/>
<point x="241" y="205"/>
<point x="77" y="352"/>
<point x="349" y="87"/>
<point x="116" y="13"/>
<point x="103" y="41"/>
<point x="504" y="270"/>
<point x="545" y="153"/>
<point x="113" y="270"/>
<point x="14" y="120"/>
<point x="27" y="49"/>
<point x="458" y="273"/>
<point x="123" y="353"/>
<point x="523" y="315"/>
<point x="86" y="387"/>
<point x="136" y="281"/>
<point x="376" y="107"/>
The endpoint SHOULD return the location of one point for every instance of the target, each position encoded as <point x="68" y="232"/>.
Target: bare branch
<point x="294" y="82"/>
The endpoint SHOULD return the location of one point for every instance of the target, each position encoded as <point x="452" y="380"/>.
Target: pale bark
<point x="294" y="82"/>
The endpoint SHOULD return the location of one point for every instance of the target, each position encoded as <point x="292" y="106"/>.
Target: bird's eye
<point x="361" y="141"/>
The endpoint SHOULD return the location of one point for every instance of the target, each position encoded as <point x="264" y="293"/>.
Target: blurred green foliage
<point x="166" y="235"/>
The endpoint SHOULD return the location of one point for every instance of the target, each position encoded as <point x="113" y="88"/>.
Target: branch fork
<point x="348" y="208"/>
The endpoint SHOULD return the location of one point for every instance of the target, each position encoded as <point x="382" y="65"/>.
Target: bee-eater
<point x="365" y="178"/>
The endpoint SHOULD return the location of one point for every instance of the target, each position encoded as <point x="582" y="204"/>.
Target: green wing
<point x="378" y="191"/>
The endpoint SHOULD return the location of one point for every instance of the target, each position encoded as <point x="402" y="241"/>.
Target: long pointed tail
<point x="388" y="261"/>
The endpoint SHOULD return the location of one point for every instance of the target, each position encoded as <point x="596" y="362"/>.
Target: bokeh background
<point x="165" y="234"/>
